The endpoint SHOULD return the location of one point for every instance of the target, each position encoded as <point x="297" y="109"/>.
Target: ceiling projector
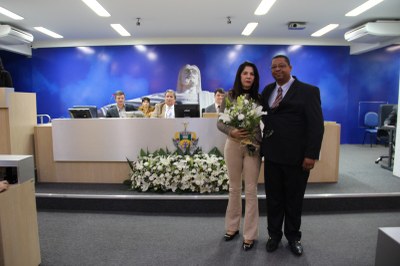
<point x="296" y="25"/>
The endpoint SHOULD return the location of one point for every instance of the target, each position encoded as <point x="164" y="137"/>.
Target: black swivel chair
<point x="382" y="134"/>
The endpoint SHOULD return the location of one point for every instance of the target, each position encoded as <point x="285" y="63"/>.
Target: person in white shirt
<point x="166" y="109"/>
<point x="219" y="95"/>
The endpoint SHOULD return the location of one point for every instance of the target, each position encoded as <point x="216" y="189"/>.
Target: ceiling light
<point x="141" y="48"/>
<point x="228" y="20"/>
<point x="10" y="14"/>
<point x="362" y="8"/>
<point x="324" y="30"/>
<point x="138" y="22"/>
<point x="249" y="28"/>
<point x="97" y="8"/>
<point x="121" y="30"/>
<point x="264" y="7"/>
<point x="48" y="32"/>
<point x="393" y="48"/>
<point x="86" y="50"/>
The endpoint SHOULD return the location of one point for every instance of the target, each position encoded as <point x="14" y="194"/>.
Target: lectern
<point x="17" y="121"/>
<point x="19" y="236"/>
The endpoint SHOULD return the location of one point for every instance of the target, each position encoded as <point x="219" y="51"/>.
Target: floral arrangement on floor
<point x="246" y="114"/>
<point x="163" y="171"/>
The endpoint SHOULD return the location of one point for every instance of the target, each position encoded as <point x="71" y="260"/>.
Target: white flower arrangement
<point x="244" y="114"/>
<point x="162" y="171"/>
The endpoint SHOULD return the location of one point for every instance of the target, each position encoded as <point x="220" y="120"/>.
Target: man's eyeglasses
<point x="274" y="67"/>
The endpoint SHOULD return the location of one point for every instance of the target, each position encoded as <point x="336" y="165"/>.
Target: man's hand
<point x="308" y="164"/>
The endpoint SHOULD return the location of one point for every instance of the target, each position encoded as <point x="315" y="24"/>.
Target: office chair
<point x="383" y="135"/>
<point x="371" y="123"/>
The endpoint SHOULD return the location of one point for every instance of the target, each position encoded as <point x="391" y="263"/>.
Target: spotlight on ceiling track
<point x="228" y="20"/>
<point x="138" y="22"/>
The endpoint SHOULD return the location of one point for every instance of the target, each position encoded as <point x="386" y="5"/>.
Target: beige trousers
<point x="241" y="165"/>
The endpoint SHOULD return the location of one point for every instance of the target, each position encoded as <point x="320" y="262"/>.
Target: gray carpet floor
<point x="135" y="239"/>
<point x="358" y="172"/>
<point x="76" y="238"/>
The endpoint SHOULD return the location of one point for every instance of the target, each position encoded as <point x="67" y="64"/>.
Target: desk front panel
<point x="114" y="140"/>
<point x="91" y="171"/>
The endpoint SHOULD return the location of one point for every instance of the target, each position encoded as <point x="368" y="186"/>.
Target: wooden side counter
<point x="19" y="234"/>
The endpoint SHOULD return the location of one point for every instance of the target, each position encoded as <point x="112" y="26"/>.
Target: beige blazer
<point x="159" y="111"/>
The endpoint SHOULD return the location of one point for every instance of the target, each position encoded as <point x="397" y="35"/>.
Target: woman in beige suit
<point x="241" y="164"/>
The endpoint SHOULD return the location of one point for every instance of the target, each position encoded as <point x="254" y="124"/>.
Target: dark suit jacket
<point x="113" y="110"/>
<point x="294" y="129"/>
<point x="211" y="109"/>
<point x="5" y="79"/>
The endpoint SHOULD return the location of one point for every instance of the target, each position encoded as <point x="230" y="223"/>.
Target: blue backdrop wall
<point x="61" y="77"/>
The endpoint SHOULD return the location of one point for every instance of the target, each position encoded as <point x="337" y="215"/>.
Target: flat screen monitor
<point x="187" y="110"/>
<point x="92" y="108"/>
<point x="83" y="112"/>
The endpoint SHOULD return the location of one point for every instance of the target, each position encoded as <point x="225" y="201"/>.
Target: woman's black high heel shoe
<point x="248" y="246"/>
<point x="229" y="237"/>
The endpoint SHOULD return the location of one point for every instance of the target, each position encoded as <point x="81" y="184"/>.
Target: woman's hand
<point x="239" y="133"/>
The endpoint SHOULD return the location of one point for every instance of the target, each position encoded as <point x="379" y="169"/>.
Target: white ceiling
<point x="188" y="21"/>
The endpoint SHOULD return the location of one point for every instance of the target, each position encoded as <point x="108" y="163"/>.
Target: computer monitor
<point x="82" y="112"/>
<point x="92" y="108"/>
<point x="187" y="110"/>
<point x="134" y="114"/>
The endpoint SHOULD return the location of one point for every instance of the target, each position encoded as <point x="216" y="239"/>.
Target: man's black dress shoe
<point x="229" y="237"/>
<point x="296" y="248"/>
<point x="248" y="246"/>
<point x="272" y="244"/>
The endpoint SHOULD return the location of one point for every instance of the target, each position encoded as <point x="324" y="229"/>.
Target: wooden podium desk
<point x="19" y="234"/>
<point x="95" y="150"/>
<point x="326" y="170"/>
<point x="86" y="151"/>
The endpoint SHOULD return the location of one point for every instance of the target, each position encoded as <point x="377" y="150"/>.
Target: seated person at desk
<point x="146" y="108"/>
<point x="120" y="109"/>
<point x="166" y="109"/>
<point x="218" y="97"/>
<point x="3" y="185"/>
<point x="391" y="120"/>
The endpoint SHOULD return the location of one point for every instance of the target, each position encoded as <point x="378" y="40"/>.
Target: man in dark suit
<point x="120" y="109"/>
<point x="219" y="95"/>
<point x="292" y="137"/>
<point x="5" y="77"/>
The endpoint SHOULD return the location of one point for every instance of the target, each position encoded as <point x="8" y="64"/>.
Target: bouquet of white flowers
<point x="244" y="114"/>
<point x="164" y="171"/>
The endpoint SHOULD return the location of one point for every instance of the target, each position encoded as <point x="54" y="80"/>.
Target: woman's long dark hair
<point x="238" y="90"/>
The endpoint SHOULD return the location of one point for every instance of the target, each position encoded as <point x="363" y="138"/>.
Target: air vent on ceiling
<point x="374" y="32"/>
<point x="10" y="35"/>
